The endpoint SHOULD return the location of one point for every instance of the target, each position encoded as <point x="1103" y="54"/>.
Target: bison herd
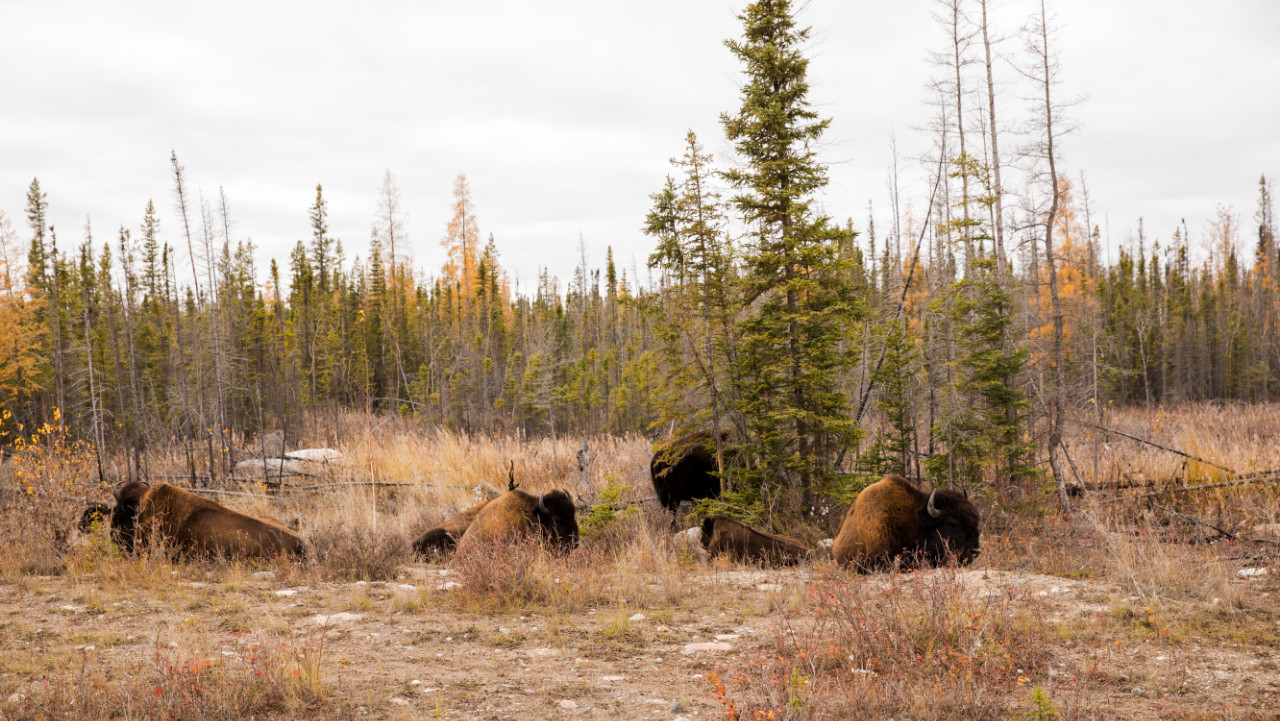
<point x="892" y="523"/>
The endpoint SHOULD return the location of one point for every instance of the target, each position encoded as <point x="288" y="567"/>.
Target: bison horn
<point x="542" y="503"/>
<point x="933" y="510"/>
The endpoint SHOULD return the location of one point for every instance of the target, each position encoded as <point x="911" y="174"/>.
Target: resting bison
<point x="193" y="524"/>
<point x="682" y="470"/>
<point x="444" y="537"/>
<point x="723" y="536"/>
<point x="516" y="513"/>
<point x="892" y="518"/>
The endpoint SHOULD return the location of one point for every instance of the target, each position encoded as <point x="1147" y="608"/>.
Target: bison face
<point x="949" y="523"/>
<point x="124" y="517"/>
<point x="555" y="514"/>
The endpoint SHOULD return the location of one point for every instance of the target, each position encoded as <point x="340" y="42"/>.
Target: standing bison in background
<point x="892" y="519"/>
<point x="516" y="513"/>
<point x="683" y="469"/>
<point x="193" y="524"/>
<point x="723" y="536"/>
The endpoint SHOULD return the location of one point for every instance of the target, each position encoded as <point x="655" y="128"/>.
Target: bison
<point x="444" y="537"/>
<point x="514" y="513"/>
<point x="892" y="521"/>
<point x="684" y="469"/>
<point x="95" y="513"/>
<point x="723" y="536"/>
<point x="193" y="524"/>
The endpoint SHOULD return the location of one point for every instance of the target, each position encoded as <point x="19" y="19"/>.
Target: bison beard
<point x="684" y="470"/>
<point x="444" y="537"/>
<point x="892" y="522"/>
<point x="192" y="524"/>
<point x="516" y="513"/>
<point x="723" y="536"/>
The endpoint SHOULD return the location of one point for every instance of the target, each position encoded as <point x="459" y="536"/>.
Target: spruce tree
<point x="795" y="276"/>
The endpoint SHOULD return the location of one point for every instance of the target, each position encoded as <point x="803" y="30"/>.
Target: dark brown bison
<point x="516" y="513"/>
<point x="193" y="524"/>
<point x="683" y="469"/>
<point x="892" y="521"/>
<point x="723" y="536"/>
<point x="99" y="513"/>
<point x="444" y="537"/>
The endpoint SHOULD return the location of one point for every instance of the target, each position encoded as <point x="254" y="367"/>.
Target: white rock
<point x="17" y="698"/>
<point x="415" y="682"/>
<point x="728" y="637"/>
<point x="611" y="679"/>
<point x="769" y="587"/>
<point x="715" y="646"/>
<point x="399" y="701"/>
<point x="1251" y="572"/>
<point x="406" y="587"/>
<point x="567" y="704"/>
<point x="287" y="592"/>
<point x="340" y="617"/>
<point x="826" y="543"/>
<point x="503" y="630"/>
<point x="636" y="618"/>
<point x="264" y="575"/>
<point x="317" y="455"/>
<point x="448" y="586"/>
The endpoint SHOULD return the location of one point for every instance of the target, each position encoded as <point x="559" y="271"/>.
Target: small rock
<point x="1137" y="691"/>
<point x="17" y="698"/>
<point x="340" y="617"/>
<point x="448" y="586"/>
<point x="568" y="705"/>
<point x="503" y="630"/>
<point x="677" y="707"/>
<point x="1251" y="572"/>
<point x="264" y="575"/>
<point x="399" y="701"/>
<point x="769" y="587"/>
<point x="727" y="637"/>
<point x="406" y="587"/>
<point x="826" y="543"/>
<point x="195" y="584"/>
<point x="287" y="592"/>
<point x="714" y="646"/>
<point x="611" y="679"/>
<point x="415" y="682"/>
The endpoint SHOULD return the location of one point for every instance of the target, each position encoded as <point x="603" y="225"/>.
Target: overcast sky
<point x="563" y="114"/>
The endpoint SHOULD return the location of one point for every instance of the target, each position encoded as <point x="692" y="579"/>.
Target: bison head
<point x="124" y="517"/>
<point x="949" y="525"/>
<point x="555" y="514"/>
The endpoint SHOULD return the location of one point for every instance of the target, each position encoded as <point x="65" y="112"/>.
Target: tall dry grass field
<point x="1133" y="606"/>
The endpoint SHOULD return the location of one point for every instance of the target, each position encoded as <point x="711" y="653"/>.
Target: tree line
<point x="955" y="343"/>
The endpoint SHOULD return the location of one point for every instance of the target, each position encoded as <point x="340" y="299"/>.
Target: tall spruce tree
<point x="795" y="277"/>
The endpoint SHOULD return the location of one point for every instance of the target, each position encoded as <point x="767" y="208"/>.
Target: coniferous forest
<point x="954" y="341"/>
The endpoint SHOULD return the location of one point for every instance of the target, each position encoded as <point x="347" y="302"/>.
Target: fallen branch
<point x="1221" y="532"/>
<point x="1184" y="454"/>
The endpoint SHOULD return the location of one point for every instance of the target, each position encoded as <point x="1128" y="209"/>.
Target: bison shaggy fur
<point x="723" y="536"/>
<point x="684" y="470"/>
<point x="193" y="524"/>
<point x="516" y="513"/>
<point x="893" y="522"/>
<point x="444" y="537"/>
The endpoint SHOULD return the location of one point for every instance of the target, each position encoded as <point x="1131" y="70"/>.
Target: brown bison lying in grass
<point x="892" y="522"/>
<point x="516" y="513"/>
<point x="444" y="537"/>
<point x="193" y="524"/>
<point x="723" y="536"/>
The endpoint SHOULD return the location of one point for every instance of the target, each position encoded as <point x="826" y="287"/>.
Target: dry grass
<point x="843" y="647"/>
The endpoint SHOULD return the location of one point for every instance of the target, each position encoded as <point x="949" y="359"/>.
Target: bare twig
<point x="1184" y="454"/>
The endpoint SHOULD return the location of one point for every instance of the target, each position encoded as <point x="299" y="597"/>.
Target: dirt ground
<point x="404" y="650"/>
